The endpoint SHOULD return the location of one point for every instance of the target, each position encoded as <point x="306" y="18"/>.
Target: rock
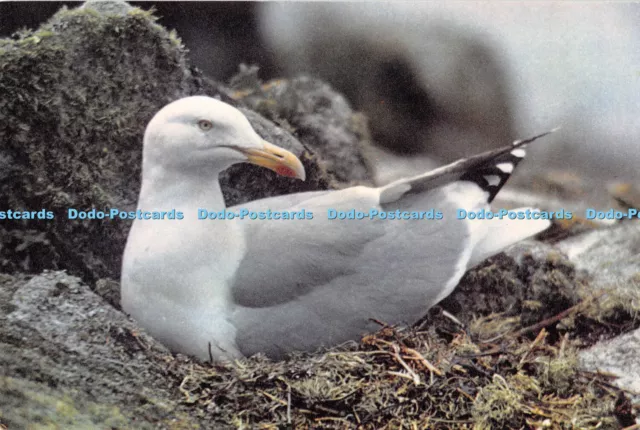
<point x="79" y="92"/>
<point x="108" y="7"/>
<point x="69" y="360"/>
<point x="530" y="280"/>
<point x="318" y="115"/>
<point x="389" y="166"/>
<point x="620" y="357"/>
<point x="610" y="258"/>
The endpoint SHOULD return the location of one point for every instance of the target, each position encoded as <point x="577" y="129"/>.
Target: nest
<point x="491" y="373"/>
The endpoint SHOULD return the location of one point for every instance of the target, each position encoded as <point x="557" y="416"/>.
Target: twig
<point x="272" y="397"/>
<point x="498" y="350"/>
<point x="417" y="356"/>
<point x="538" y="339"/>
<point x="452" y="318"/>
<point x="187" y="394"/>
<point x="396" y="355"/>
<point x="465" y="394"/>
<point x="548" y="321"/>
<point x="402" y="375"/>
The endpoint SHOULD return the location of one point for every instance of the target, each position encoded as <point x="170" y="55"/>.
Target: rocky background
<point x="76" y="94"/>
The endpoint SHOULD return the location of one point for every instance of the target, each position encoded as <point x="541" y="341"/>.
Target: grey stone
<point x="609" y="256"/>
<point x="69" y="360"/>
<point x="610" y="259"/>
<point x="620" y="356"/>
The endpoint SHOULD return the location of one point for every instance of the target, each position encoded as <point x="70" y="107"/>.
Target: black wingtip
<point x="495" y="172"/>
<point x="492" y="175"/>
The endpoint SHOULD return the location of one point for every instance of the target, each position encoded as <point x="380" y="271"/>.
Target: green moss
<point x="77" y="94"/>
<point x="35" y="406"/>
<point x="616" y="310"/>
<point x="175" y="40"/>
<point x="497" y="405"/>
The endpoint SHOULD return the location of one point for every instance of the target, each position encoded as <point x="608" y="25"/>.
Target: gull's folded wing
<point x="304" y="280"/>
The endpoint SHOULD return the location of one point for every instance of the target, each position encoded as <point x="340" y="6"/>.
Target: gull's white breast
<point x="175" y="279"/>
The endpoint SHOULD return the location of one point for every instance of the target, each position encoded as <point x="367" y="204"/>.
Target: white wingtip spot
<point x="493" y="180"/>
<point x="505" y="167"/>
<point x="519" y="152"/>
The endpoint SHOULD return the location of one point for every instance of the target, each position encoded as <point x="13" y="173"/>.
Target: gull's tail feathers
<point x="501" y="233"/>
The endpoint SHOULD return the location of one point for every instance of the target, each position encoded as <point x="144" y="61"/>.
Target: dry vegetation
<point x="494" y="373"/>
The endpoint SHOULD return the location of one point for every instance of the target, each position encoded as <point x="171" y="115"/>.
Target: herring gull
<point x="223" y="289"/>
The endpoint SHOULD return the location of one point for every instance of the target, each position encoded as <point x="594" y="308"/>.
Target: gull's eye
<point x="205" y="124"/>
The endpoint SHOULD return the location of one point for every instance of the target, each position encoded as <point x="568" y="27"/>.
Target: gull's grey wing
<point x="298" y="255"/>
<point x="280" y="202"/>
<point x="302" y="281"/>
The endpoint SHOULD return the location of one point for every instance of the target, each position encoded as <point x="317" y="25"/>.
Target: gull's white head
<point x="202" y="132"/>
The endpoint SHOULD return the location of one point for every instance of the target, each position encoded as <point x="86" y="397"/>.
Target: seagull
<point x="222" y="289"/>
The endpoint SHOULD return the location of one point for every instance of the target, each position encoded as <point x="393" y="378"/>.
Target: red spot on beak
<point x="285" y="171"/>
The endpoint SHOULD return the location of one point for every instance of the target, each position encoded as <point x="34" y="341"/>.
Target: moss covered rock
<point x="317" y="114"/>
<point x="77" y="95"/>
<point x="92" y="368"/>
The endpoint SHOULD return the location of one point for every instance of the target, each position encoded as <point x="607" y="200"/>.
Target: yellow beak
<point x="277" y="159"/>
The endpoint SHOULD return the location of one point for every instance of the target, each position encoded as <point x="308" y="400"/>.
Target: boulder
<point x="78" y="93"/>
